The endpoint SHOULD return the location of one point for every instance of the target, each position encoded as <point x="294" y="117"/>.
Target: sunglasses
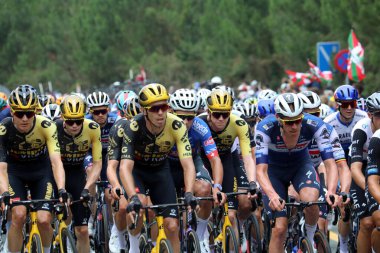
<point x="345" y="105"/>
<point x="78" y="122"/>
<point x="186" y="116"/>
<point x="157" y="108"/>
<point x="98" y="112"/>
<point x="291" y="122"/>
<point x="21" y="114"/>
<point x="217" y="115"/>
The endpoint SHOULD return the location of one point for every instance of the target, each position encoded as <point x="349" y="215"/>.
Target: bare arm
<point x="264" y="181"/>
<point x="126" y="168"/>
<point x="250" y="167"/>
<point x="374" y="187"/>
<point x="217" y="170"/>
<point x="357" y="175"/>
<point x="4" y="183"/>
<point x="94" y="174"/>
<point x="345" y="176"/>
<point x="188" y="173"/>
<point x="58" y="170"/>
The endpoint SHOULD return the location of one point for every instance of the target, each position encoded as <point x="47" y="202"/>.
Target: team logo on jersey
<point x="209" y="141"/>
<point x="3" y="130"/>
<point x="187" y="147"/>
<point x="240" y="122"/>
<point x="312" y="122"/>
<point x="120" y="132"/>
<point x="134" y="126"/>
<point x="45" y="123"/>
<point x="176" y="124"/>
<point x="124" y="150"/>
<point x="335" y="143"/>
<point x="325" y="134"/>
<point x="93" y="125"/>
<point x="259" y="139"/>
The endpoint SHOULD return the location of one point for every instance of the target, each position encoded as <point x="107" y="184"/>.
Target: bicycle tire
<point x="253" y="235"/>
<point x="144" y="245"/>
<point x="231" y="240"/>
<point x="106" y="231"/>
<point x="305" y="245"/>
<point x="36" y="245"/>
<point x="192" y="242"/>
<point x="321" y="242"/>
<point x="267" y="231"/>
<point x="165" y="246"/>
<point x="99" y="233"/>
<point x="67" y="242"/>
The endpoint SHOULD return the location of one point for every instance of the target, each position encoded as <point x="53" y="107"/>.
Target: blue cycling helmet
<point x="361" y="104"/>
<point x="265" y="107"/>
<point x="123" y="97"/>
<point x="345" y="93"/>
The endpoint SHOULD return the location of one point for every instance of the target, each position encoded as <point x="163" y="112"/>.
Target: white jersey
<point x="344" y="130"/>
<point x="360" y="137"/>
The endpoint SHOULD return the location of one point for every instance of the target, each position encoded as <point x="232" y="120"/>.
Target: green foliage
<point x="97" y="42"/>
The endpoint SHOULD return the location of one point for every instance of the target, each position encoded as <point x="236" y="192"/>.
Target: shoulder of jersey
<point x="267" y="123"/>
<point x="174" y="121"/>
<point x="361" y="113"/>
<point x="363" y="124"/>
<point x="43" y="122"/>
<point x="90" y="123"/>
<point x="376" y="134"/>
<point x="331" y="117"/>
<point x="237" y="120"/>
<point x="312" y="120"/>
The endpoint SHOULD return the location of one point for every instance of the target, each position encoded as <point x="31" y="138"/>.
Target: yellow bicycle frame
<point x="61" y="226"/>
<point x="226" y="223"/>
<point x="161" y="233"/>
<point x="34" y="230"/>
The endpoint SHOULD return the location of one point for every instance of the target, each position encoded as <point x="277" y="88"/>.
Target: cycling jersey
<point x="150" y="150"/>
<point x="16" y="147"/>
<point x="116" y="139"/>
<point x="5" y="113"/>
<point x="336" y="146"/>
<point x="111" y="119"/>
<point x="373" y="156"/>
<point x="236" y="127"/>
<point x="271" y="148"/>
<point x="344" y="130"/>
<point x="198" y="134"/>
<point x="74" y="149"/>
<point x="361" y="134"/>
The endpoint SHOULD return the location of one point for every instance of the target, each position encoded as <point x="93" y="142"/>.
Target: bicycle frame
<point x="161" y="233"/>
<point x="226" y="223"/>
<point x="34" y="229"/>
<point x="61" y="225"/>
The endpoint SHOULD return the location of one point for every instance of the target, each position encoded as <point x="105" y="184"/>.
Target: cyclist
<point x="184" y="104"/>
<point x="27" y="141"/>
<point x="267" y="94"/>
<point x="225" y="128"/>
<point x="311" y="104"/>
<point x="43" y="100"/>
<point x="325" y="111"/>
<point x="265" y="107"/>
<point x="76" y="135"/>
<point x="373" y="177"/>
<point x="148" y="139"/>
<point x="123" y="97"/>
<point x="343" y="121"/>
<point x="51" y="111"/>
<point x="131" y="108"/>
<point x="282" y="157"/>
<point x="202" y="95"/>
<point x="364" y="204"/>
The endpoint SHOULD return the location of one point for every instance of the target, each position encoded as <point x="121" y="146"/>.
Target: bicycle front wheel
<point x="144" y="245"/>
<point x="165" y="246"/>
<point x="107" y="230"/>
<point x="192" y="242"/>
<point x="306" y="246"/>
<point x="230" y="241"/>
<point x="321" y="242"/>
<point x="67" y="242"/>
<point x="36" y="245"/>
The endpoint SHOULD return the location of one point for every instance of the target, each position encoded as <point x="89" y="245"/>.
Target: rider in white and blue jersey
<point x="282" y="158"/>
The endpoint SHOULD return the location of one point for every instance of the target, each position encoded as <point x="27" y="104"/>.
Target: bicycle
<point x="32" y="238"/>
<point x="252" y="228"/>
<point x="354" y="225"/>
<point x="296" y="236"/>
<point x="63" y="240"/>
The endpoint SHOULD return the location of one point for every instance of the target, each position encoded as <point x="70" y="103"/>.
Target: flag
<point x="355" y="66"/>
<point x="319" y="75"/>
<point x="298" y="77"/>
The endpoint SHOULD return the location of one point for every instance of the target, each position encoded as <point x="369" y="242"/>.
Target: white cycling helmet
<point x="51" y="111"/>
<point x="226" y="88"/>
<point x="325" y="111"/>
<point x="184" y="100"/>
<point x="98" y="98"/>
<point x="288" y="105"/>
<point x="310" y="99"/>
<point x="202" y="95"/>
<point x="373" y="102"/>
<point x="217" y="80"/>
<point x="248" y="110"/>
<point x="267" y="94"/>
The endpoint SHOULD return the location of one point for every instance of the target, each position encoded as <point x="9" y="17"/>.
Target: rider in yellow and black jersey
<point x="29" y="155"/>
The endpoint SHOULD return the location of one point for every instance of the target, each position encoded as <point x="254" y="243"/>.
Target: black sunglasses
<point x="157" y="108"/>
<point x="98" y="112"/>
<point x="186" y="116"/>
<point x="217" y="115"/>
<point x="21" y="114"/>
<point x="70" y="122"/>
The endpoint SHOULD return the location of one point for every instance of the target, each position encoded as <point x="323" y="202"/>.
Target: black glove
<point x="62" y="193"/>
<point x="253" y="187"/>
<point x="6" y="198"/>
<point x="85" y="195"/>
<point x="134" y="204"/>
<point x="345" y="196"/>
<point x="190" y="200"/>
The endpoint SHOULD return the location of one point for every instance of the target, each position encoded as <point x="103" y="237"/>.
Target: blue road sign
<point x="325" y="54"/>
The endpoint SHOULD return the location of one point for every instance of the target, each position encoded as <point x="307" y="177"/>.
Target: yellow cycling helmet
<point x="73" y="107"/>
<point x="24" y="97"/>
<point x="152" y="93"/>
<point x="131" y="108"/>
<point x="43" y="100"/>
<point x="219" y="100"/>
